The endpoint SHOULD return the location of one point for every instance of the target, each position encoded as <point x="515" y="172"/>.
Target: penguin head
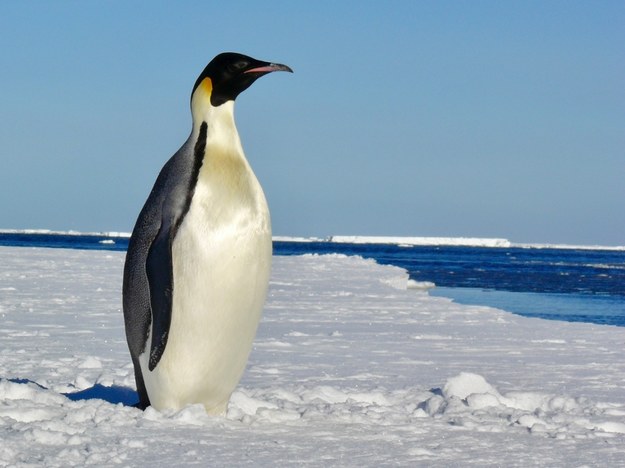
<point x="229" y="74"/>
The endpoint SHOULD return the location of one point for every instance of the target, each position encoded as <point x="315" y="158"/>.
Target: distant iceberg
<point x="298" y="239"/>
<point x="441" y="241"/>
<point x="412" y="241"/>
<point x="392" y="240"/>
<point x="51" y="232"/>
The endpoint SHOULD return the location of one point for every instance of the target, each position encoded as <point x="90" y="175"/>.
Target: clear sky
<point x="403" y="118"/>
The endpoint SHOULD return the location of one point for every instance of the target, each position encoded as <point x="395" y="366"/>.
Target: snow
<point x="351" y="367"/>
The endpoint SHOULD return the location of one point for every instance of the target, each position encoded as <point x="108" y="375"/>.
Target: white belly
<point x="221" y="261"/>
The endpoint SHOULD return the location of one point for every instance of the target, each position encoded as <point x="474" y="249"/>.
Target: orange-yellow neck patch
<point x="207" y="86"/>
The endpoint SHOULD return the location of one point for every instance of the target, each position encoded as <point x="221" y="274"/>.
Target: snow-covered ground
<point x="350" y="368"/>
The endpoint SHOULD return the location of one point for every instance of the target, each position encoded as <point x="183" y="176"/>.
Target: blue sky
<point x="446" y="118"/>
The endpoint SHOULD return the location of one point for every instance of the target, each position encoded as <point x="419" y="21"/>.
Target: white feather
<point x="221" y="262"/>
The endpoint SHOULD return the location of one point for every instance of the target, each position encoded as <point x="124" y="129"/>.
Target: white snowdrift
<point x="350" y="368"/>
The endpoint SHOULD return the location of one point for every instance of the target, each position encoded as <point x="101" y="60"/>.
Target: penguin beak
<point x="268" y="68"/>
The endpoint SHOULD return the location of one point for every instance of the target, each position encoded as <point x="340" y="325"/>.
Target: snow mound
<point x="469" y="400"/>
<point x="466" y="400"/>
<point x="95" y="431"/>
<point x="466" y="384"/>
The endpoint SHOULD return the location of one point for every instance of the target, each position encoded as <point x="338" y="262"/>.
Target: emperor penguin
<point x="198" y="261"/>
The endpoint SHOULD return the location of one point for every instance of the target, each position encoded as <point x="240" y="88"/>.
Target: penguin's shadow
<point x="113" y="394"/>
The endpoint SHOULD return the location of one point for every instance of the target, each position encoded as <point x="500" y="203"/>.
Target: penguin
<point x="198" y="262"/>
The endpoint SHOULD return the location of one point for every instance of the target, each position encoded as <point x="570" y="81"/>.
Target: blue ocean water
<point x="559" y="284"/>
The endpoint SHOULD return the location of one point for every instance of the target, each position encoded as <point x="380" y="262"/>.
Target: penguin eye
<point x="238" y="66"/>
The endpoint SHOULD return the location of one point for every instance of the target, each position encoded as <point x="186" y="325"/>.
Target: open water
<point x="561" y="284"/>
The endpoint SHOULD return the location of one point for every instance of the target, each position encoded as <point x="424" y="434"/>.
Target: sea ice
<point x="350" y="367"/>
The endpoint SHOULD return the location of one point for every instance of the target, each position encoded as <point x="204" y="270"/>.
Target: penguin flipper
<point x="144" y="399"/>
<point x="159" y="269"/>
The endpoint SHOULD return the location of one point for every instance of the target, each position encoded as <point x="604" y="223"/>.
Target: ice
<point x="410" y="241"/>
<point x="352" y="366"/>
<point x="401" y="241"/>
<point x="413" y="284"/>
<point x="64" y="233"/>
<point x="407" y="241"/>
